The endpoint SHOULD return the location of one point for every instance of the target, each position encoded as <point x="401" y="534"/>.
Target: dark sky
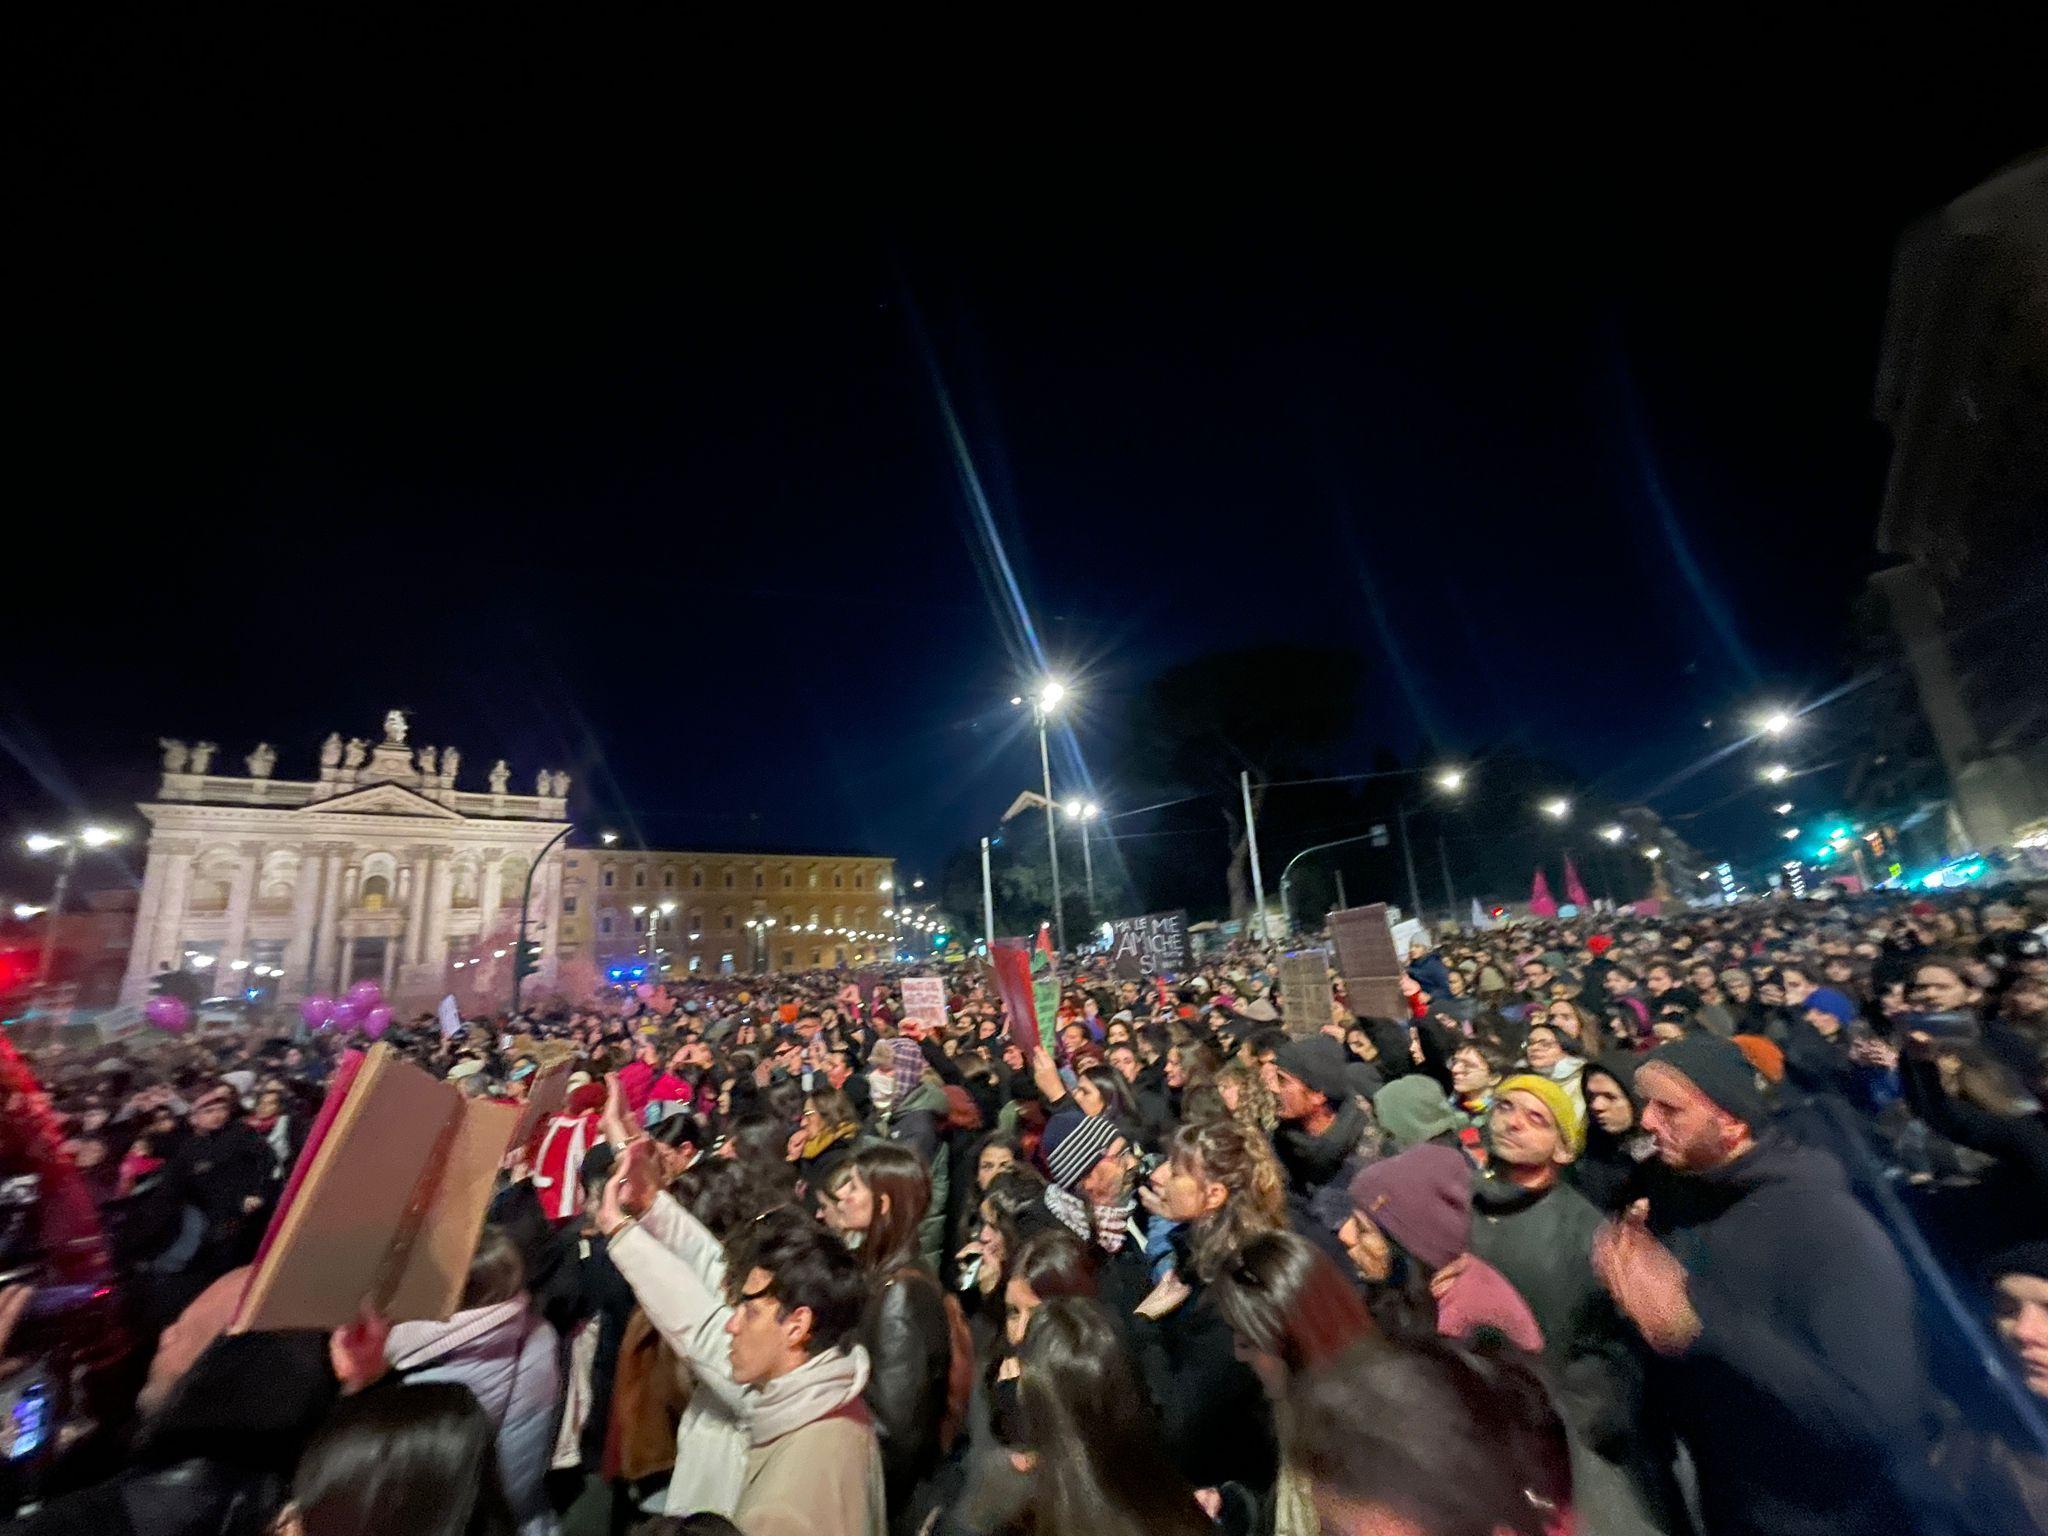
<point x="611" y="442"/>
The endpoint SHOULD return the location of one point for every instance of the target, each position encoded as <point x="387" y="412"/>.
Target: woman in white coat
<point x="501" y="1348"/>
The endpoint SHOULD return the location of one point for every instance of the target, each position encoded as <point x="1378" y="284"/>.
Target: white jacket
<point x="505" y="1354"/>
<point x="677" y="1271"/>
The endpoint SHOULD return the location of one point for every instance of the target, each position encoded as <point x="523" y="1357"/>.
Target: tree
<point x="1273" y="711"/>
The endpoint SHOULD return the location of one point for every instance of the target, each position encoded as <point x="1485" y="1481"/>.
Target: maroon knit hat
<point x="1422" y="1199"/>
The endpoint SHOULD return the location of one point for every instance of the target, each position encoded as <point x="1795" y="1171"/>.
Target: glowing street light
<point x="1451" y="780"/>
<point x="1775" y="722"/>
<point x="23" y="911"/>
<point x="94" y="837"/>
<point x="1777" y="773"/>
<point x="1613" y="834"/>
<point x="42" y="842"/>
<point x="1050" y="695"/>
<point x="608" y="838"/>
<point x="1789" y="833"/>
<point x="1653" y="854"/>
<point x="1783" y="807"/>
<point x="1557" y="809"/>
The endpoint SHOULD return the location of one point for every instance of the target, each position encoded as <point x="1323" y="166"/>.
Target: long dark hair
<point x="1285" y="1298"/>
<point x="420" y="1459"/>
<point x="1100" y="1466"/>
<point x="892" y="1169"/>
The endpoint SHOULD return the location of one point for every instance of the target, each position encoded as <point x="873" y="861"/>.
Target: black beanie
<point x="1719" y="1070"/>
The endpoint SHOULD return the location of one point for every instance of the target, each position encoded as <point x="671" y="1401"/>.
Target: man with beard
<point x="1320" y="1126"/>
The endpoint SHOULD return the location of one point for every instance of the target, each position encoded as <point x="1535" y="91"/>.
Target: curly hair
<point x="1257" y="1109"/>
<point x="1242" y="1161"/>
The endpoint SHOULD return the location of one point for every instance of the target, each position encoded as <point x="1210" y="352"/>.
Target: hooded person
<point x="1619" y="1153"/>
<point x="1781" y="1316"/>
<point x="1413" y="1111"/>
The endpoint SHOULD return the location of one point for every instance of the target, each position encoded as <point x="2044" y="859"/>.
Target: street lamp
<point x="1613" y="834"/>
<point x="1043" y="703"/>
<point x="1451" y="780"/>
<point x="607" y="838"/>
<point x="1783" y="808"/>
<point x="1775" y="722"/>
<point x="1557" y="809"/>
<point x="1085" y="811"/>
<point x="1777" y="773"/>
<point x="94" y="837"/>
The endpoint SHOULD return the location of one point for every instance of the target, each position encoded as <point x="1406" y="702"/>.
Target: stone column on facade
<point x="170" y="917"/>
<point x="298" y="948"/>
<point x="390" y="964"/>
<point x="435" y="955"/>
<point x="227" y="981"/>
<point x="491" y="897"/>
<point x="416" y="910"/>
<point x="150" y="918"/>
<point x="321" y="977"/>
<point x="546" y="912"/>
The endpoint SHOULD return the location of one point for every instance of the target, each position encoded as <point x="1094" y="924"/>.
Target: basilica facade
<point x="380" y="866"/>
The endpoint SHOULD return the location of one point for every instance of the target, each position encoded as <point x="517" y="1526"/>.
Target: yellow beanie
<point x="1564" y="1109"/>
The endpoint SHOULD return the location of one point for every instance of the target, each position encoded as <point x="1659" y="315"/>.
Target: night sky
<point x="618" y="446"/>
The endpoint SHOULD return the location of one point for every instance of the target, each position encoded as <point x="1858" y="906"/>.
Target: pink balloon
<point x="344" y="1015"/>
<point x="168" y="1014"/>
<point x="316" y="1011"/>
<point x="376" y="1021"/>
<point x="365" y="994"/>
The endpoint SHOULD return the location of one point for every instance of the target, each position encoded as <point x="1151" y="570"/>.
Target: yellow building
<point x="713" y="913"/>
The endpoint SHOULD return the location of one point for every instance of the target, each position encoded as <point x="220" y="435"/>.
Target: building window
<point x="696" y="923"/>
<point x="575" y="863"/>
<point x="838" y="880"/>
<point x="839" y="917"/>
<point x="569" y="905"/>
<point x="696" y="879"/>
<point x="604" y="924"/>
<point x="668" y="879"/>
<point x="640" y="878"/>
<point x="727" y="922"/>
<point x="728" y="880"/>
<point x="760" y="881"/>
<point x="789" y="959"/>
<point x="788" y="880"/>
<point x="860" y="881"/>
<point x="817" y="957"/>
<point x="607" y="877"/>
<point x="814" y="879"/>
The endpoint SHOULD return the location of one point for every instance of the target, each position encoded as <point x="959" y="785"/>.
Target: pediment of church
<point x="380" y="800"/>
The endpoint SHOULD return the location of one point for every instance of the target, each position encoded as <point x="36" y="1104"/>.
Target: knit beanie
<point x="1720" y="1070"/>
<point x="1831" y="1002"/>
<point x="1422" y="1199"/>
<point x="1319" y="1062"/>
<point x="1073" y="1146"/>
<point x="1413" y="1109"/>
<point x="1564" y="1109"/>
<point x="1765" y="1054"/>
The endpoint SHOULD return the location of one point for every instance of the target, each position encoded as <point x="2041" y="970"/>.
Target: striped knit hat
<point x="1072" y="1147"/>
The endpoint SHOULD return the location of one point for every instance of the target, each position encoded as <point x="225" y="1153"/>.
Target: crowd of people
<point x="1725" y="1221"/>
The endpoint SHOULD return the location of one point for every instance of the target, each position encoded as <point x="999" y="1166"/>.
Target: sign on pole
<point x="1367" y="962"/>
<point x="1305" y="992"/>
<point x="1149" y="946"/>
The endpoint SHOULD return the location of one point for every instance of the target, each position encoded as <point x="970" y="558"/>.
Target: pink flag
<point x="1574" y="890"/>
<point x="1541" y="902"/>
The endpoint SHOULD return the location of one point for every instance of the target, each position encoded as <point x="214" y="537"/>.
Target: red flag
<point x="1541" y="902"/>
<point x="1045" y="940"/>
<point x="1574" y="890"/>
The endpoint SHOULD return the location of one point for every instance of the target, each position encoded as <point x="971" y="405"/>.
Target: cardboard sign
<point x="924" y="999"/>
<point x="389" y="1206"/>
<point x="1305" y="991"/>
<point x="550" y="1091"/>
<point x="1149" y="946"/>
<point x="1367" y="961"/>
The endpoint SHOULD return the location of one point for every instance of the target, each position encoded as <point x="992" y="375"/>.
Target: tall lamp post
<point x="1085" y="811"/>
<point x="1043" y="703"/>
<point x="42" y="842"/>
<point x="525" y="901"/>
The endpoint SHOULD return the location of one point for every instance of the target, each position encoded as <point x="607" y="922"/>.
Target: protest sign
<point x="1367" y="962"/>
<point x="1305" y="992"/>
<point x="1029" y="1028"/>
<point x="387" y="1202"/>
<point x="1150" y="945"/>
<point x="924" y="999"/>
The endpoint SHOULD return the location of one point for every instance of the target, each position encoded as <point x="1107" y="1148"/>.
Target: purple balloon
<point x="365" y="994"/>
<point x="376" y="1021"/>
<point x="344" y="1015"/>
<point x="316" y="1011"/>
<point x="168" y="1014"/>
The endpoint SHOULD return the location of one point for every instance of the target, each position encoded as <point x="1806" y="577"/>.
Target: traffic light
<point x="528" y="957"/>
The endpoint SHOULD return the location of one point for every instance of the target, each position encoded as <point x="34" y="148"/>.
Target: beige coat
<point x="821" y="1479"/>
